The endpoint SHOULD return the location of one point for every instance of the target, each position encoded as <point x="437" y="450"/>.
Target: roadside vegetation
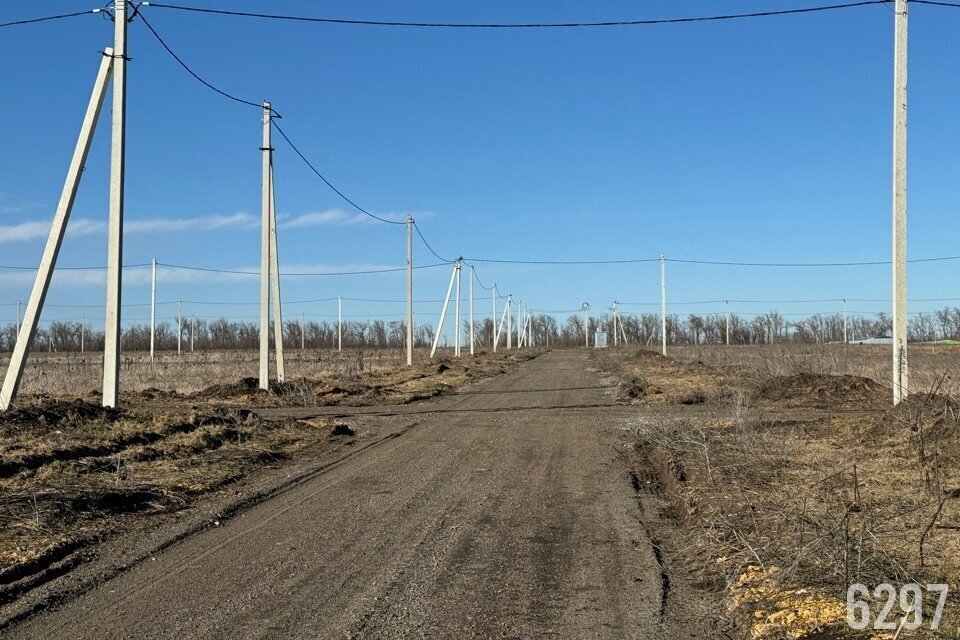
<point x="794" y="478"/>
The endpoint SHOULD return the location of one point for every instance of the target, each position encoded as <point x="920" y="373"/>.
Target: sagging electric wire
<point x="290" y="274"/>
<point x="429" y="248"/>
<point x="516" y="25"/>
<point x="60" y="16"/>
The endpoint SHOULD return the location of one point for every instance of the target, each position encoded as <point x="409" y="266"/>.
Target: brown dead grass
<point x="802" y="484"/>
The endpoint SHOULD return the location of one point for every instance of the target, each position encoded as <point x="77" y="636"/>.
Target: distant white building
<point x="874" y="340"/>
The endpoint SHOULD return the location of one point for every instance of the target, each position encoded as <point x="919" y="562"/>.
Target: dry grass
<point x="802" y="482"/>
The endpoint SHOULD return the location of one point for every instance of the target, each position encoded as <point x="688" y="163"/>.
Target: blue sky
<point x="757" y="140"/>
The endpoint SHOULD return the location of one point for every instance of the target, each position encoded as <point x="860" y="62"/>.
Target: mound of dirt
<point x="229" y="389"/>
<point x="823" y="391"/>
<point x="55" y="414"/>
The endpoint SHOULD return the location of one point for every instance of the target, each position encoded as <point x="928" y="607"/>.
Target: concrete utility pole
<point x="27" y="328"/>
<point x="193" y="321"/>
<point x="303" y="332"/>
<point x="83" y="330"/>
<point x="845" y="339"/>
<point x="111" y="331"/>
<point x="456" y="349"/>
<point x="663" y="302"/>
<point x="472" y="276"/>
<point x="339" y="324"/>
<point x="443" y="312"/>
<point x="153" y="306"/>
<point x="900" y="370"/>
<point x="179" y="325"/>
<point x="509" y="321"/>
<point x="275" y="283"/>
<point x="409" y="290"/>
<point x="727" y="302"/>
<point x="494" y="334"/>
<point x="586" y="324"/>
<point x="266" y="155"/>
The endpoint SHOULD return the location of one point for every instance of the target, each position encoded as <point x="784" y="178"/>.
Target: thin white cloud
<point x="201" y="223"/>
<point x="340" y="217"/>
<point x="26" y="231"/>
<point x="140" y="276"/>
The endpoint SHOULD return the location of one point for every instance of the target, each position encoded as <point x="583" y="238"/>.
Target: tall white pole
<point x="153" y="306"/>
<point x="266" y="158"/>
<point x="586" y="326"/>
<point x="443" y="312"/>
<point x="663" y="302"/>
<point x="339" y="324"/>
<point x="900" y="371"/>
<point x="845" y="338"/>
<point x="179" y="325"/>
<point x="472" y="276"/>
<point x="409" y="290"/>
<point x="727" y="302"/>
<point x="509" y="321"/>
<point x="494" y="334"/>
<point x="27" y="328"/>
<point x="111" y="333"/>
<point x="83" y="331"/>
<point x="303" y="332"/>
<point x="193" y="321"/>
<point x="456" y="349"/>
<point x="275" y="284"/>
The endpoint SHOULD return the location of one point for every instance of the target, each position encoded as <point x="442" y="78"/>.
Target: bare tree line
<point x="545" y="330"/>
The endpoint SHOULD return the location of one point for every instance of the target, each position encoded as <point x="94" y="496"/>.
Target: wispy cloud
<point x="26" y="231"/>
<point x="140" y="276"/>
<point x="340" y="217"/>
<point x="34" y="230"/>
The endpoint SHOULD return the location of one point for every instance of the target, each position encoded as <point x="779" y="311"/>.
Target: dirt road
<point x="500" y="512"/>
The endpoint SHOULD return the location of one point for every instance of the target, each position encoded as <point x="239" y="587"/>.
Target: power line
<point x="429" y="248"/>
<point x="515" y="25"/>
<point x="193" y="73"/>
<point x="49" y="18"/>
<point x="937" y="3"/>
<point x="328" y="183"/>
<point x="498" y="261"/>
<point x="325" y="273"/>
<point x="282" y="133"/>
<point x="807" y="264"/>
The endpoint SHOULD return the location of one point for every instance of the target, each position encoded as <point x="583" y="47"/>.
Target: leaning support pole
<point x="503" y="320"/>
<point x="275" y="284"/>
<point x="111" y="329"/>
<point x="443" y="313"/>
<point x="339" y="324"/>
<point x="266" y="153"/>
<point x="409" y="290"/>
<point x="900" y="371"/>
<point x="11" y="382"/>
<point x="509" y="321"/>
